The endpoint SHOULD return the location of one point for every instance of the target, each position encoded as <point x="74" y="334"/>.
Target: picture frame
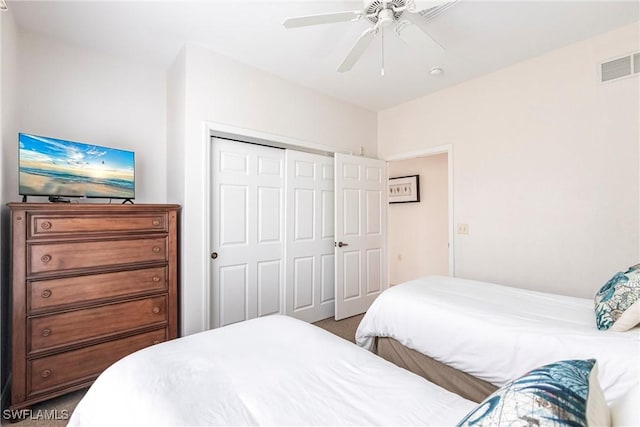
<point x="404" y="189"/>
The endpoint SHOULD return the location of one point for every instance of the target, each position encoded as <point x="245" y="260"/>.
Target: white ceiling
<point x="478" y="36"/>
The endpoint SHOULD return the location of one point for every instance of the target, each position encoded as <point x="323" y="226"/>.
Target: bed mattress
<point x="497" y="333"/>
<point x="268" y="371"/>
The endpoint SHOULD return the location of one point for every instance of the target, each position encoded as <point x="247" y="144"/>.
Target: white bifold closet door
<point x="295" y="233"/>
<point x="361" y="224"/>
<point x="309" y="262"/>
<point x="247" y="231"/>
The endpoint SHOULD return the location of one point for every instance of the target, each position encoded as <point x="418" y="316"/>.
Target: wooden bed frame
<point x="451" y="379"/>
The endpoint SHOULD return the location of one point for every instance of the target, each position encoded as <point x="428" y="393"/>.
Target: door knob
<point x="340" y="244"/>
<point x="214" y="255"/>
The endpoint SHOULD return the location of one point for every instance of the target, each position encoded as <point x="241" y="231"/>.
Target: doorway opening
<point x="420" y="233"/>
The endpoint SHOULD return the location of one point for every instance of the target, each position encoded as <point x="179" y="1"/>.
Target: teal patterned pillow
<point x="565" y="393"/>
<point x="618" y="301"/>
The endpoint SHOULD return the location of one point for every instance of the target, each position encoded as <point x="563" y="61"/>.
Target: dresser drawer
<point x="49" y="224"/>
<point x="43" y="294"/>
<point x="75" y="255"/>
<point x="76" y="326"/>
<point x="86" y="363"/>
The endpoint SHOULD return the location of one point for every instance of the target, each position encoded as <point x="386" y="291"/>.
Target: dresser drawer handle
<point x="156" y="278"/>
<point x="156" y="249"/>
<point x="46" y="373"/>
<point x="45" y="258"/>
<point x="46" y="225"/>
<point x="46" y="293"/>
<point x="155" y="222"/>
<point x="156" y="310"/>
<point x="46" y="332"/>
<point x="156" y="342"/>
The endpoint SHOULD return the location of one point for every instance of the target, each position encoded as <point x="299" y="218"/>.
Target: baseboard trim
<point x="4" y="394"/>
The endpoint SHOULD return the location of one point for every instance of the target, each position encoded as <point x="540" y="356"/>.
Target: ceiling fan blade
<point x="324" y="18"/>
<point x="414" y="36"/>
<point x="414" y="33"/>
<point x="358" y="49"/>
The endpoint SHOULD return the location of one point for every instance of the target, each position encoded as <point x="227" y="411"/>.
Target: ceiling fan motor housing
<point x="374" y="8"/>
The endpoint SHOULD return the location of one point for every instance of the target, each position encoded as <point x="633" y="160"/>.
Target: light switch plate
<point x="463" y="229"/>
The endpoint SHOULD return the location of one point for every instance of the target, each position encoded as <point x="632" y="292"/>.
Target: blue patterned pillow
<point x="618" y="301"/>
<point x="565" y="393"/>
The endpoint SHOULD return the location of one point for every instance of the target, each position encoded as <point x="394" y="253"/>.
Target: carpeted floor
<point x="345" y="328"/>
<point x="60" y="406"/>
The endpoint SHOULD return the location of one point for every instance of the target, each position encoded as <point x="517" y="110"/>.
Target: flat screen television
<point x="58" y="168"/>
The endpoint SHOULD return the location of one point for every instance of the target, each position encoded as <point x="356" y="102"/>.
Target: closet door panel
<point x="247" y="231"/>
<point x="360" y="224"/>
<point x="269" y="286"/>
<point x="309" y="236"/>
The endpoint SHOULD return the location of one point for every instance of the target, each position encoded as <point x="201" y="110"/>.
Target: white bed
<point x="269" y="371"/>
<point x="495" y="333"/>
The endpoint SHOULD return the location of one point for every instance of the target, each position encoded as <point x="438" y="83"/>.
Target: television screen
<point x="54" y="167"/>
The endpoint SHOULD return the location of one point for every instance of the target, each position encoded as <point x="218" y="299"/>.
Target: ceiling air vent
<point x="619" y="68"/>
<point x="432" y="12"/>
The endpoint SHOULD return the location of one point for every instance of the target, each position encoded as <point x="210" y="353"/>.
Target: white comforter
<point x="269" y="371"/>
<point x="498" y="333"/>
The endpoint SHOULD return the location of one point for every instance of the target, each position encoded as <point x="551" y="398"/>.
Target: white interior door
<point x="360" y="228"/>
<point x="247" y="231"/>
<point x="309" y="265"/>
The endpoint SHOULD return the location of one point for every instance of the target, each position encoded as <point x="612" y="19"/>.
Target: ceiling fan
<point x="405" y="16"/>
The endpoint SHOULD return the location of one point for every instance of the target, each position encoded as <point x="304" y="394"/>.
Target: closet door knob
<point x="340" y="244"/>
<point x="214" y="255"/>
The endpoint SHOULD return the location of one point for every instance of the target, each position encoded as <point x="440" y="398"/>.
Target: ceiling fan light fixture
<point x="436" y="71"/>
<point x="385" y="18"/>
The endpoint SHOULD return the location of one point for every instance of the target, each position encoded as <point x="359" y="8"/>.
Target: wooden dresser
<point x="91" y="284"/>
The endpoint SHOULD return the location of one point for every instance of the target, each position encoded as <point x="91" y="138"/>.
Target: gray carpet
<point x="60" y="406"/>
<point x="345" y="328"/>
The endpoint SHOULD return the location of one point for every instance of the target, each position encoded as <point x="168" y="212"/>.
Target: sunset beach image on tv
<point x="55" y="167"/>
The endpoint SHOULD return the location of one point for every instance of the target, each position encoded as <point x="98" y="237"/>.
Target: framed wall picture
<point x="404" y="189"/>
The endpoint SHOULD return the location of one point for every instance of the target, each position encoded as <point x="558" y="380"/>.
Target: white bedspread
<point x="269" y="371"/>
<point x="498" y="333"/>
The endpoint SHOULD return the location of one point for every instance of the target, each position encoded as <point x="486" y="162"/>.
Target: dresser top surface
<point x="90" y="207"/>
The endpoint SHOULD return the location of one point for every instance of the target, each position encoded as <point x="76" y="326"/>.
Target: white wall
<point x="545" y="166"/>
<point x="176" y="112"/>
<point x="418" y="233"/>
<point x="73" y="93"/>
<point x="8" y="96"/>
<point x="221" y="90"/>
